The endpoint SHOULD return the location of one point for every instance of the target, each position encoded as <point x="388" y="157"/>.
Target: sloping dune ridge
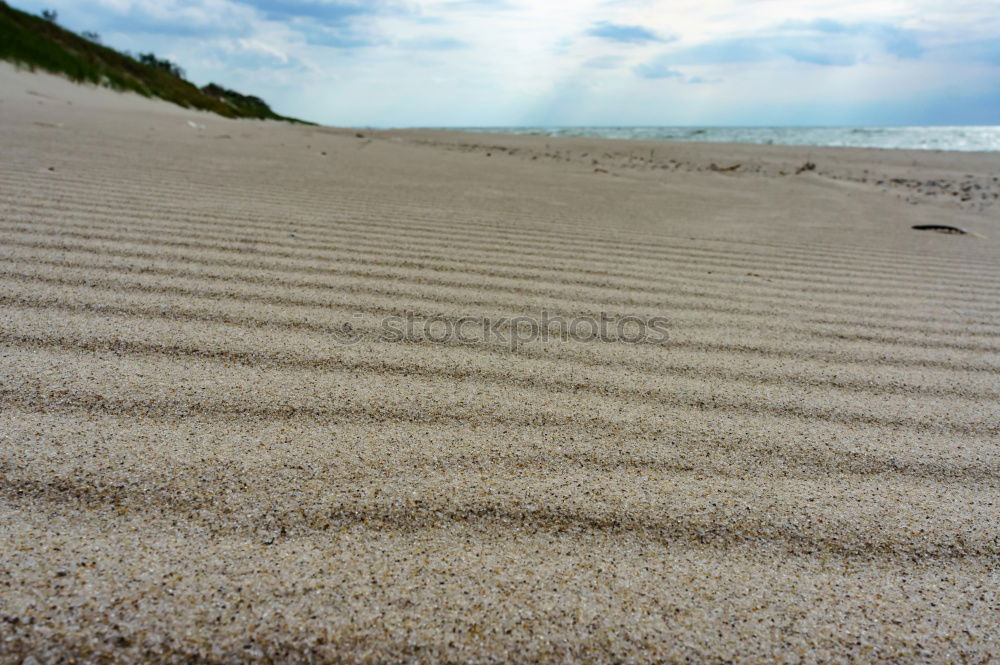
<point x="198" y="467"/>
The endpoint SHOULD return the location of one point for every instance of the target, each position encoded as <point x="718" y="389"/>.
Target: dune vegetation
<point x="39" y="42"/>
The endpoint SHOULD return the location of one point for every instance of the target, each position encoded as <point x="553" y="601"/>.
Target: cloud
<point x="823" y="42"/>
<point x="763" y="49"/>
<point x="892" y="39"/>
<point x="625" y="34"/>
<point x="656" y="70"/>
<point x="393" y="62"/>
<point x="479" y="4"/>
<point x="433" y="44"/>
<point x="338" y="37"/>
<point x="266" y="50"/>
<point x="178" y="18"/>
<point x="723" y="51"/>
<point x="326" y="11"/>
<point x="604" y="62"/>
<point x="985" y="51"/>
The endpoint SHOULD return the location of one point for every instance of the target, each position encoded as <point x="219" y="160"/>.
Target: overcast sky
<point x="577" y="62"/>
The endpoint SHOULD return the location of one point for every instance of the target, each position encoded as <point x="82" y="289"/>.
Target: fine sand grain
<point x="195" y="468"/>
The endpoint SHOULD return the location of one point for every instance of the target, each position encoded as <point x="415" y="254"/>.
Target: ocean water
<point x="970" y="138"/>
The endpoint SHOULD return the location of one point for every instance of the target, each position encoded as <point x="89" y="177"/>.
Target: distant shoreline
<point x="970" y="138"/>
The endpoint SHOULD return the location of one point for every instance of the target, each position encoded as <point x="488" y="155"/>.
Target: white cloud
<point x="487" y="62"/>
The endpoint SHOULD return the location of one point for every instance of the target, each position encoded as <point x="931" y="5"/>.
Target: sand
<point x="195" y="468"/>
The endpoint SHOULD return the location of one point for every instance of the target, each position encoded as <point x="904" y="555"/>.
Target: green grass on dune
<point x="35" y="42"/>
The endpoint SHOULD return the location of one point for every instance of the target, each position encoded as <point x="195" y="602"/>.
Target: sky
<point x="482" y="63"/>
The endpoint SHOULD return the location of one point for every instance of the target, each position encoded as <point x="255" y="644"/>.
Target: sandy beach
<point x="211" y="452"/>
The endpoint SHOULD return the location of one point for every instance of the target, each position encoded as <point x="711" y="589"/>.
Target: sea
<point x="967" y="138"/>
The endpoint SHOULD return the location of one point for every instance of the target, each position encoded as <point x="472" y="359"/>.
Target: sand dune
<point x="198" y="468"/>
